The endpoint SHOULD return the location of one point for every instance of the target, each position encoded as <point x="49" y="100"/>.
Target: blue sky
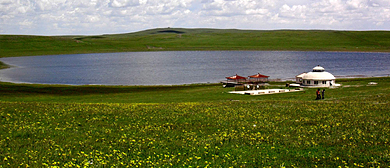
<point x="87" y="17"/>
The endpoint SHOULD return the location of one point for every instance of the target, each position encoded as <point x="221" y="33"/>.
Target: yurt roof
<point x="301" y="75"/>
<point x="319" y="76"/>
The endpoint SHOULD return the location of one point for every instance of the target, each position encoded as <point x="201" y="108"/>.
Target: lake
<point x="185" y="67"/>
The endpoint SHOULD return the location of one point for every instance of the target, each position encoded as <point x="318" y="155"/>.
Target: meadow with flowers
<point x="194" y="126"/>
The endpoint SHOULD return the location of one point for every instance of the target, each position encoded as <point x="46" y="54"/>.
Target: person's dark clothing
<point x="318" y="94"/>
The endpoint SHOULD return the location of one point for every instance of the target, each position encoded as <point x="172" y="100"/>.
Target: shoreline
<point x="341" y="51"/>
<point x="4" y="65"/>
<point x="184" y="84"/>
<point x="337" y="77"/>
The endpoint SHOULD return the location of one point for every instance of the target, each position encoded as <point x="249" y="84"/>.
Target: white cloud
<point x="124" y="3"/>
<point x="114" y="16"/>
<point x="257" y="11"/>
<point x="295" y="12"/>
<point x="25" y="23"/>
<point x="354" y="4"/>
<point x="48" y="5"/>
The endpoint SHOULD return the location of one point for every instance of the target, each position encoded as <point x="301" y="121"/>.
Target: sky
<point x="94" y="17"/>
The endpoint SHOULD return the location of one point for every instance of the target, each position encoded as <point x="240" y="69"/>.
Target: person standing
<point x="318" y="94"/>
<point x="323" y="94"/>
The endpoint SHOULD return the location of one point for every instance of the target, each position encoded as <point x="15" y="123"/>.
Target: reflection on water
<point x="184" y="67"/>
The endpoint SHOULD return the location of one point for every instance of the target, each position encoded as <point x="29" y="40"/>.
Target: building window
<point x="324" y="82"/>
<point x="316" y="82"/>
<point x="308" y="82"/>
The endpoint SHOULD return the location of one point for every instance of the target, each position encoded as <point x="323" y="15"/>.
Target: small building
<point x="317" y="78"/>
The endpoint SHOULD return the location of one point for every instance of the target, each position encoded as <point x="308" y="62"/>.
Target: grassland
<point x="170" y="39"/>
<point x="194" y="125"/>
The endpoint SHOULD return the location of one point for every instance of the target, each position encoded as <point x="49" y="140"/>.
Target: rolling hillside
<point x="171" y="39"/>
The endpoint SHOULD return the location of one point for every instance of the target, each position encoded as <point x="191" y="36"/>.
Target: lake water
<point x="185" y="67"/>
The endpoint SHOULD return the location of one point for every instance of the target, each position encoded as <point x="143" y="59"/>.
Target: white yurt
<point x="317" y="78"/>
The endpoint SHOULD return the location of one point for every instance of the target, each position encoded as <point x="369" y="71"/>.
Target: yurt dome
<point x="318" y="69"/>
<point x="317" y="78"/>
<point x="318" y="73"/>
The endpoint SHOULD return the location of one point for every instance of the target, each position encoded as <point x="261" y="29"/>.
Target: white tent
<point x="317" y="78"/>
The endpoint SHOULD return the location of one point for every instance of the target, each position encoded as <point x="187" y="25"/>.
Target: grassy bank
<point x="3" y="66"/>
<point x="353" y="90"/>
<point x="194" y="125"/>
<point x="197" y="39"/>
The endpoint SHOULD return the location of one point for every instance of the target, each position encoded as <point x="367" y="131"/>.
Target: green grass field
<point x="174" y="39"/>
<point x="194" y="126"/>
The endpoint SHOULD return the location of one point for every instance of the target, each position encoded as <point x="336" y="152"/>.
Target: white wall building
<point x="317" y="78"/>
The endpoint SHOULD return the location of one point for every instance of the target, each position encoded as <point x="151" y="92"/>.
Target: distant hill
<point x="178" y="39"/>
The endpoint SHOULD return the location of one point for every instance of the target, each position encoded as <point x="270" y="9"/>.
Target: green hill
<point x="172" y="39"/>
